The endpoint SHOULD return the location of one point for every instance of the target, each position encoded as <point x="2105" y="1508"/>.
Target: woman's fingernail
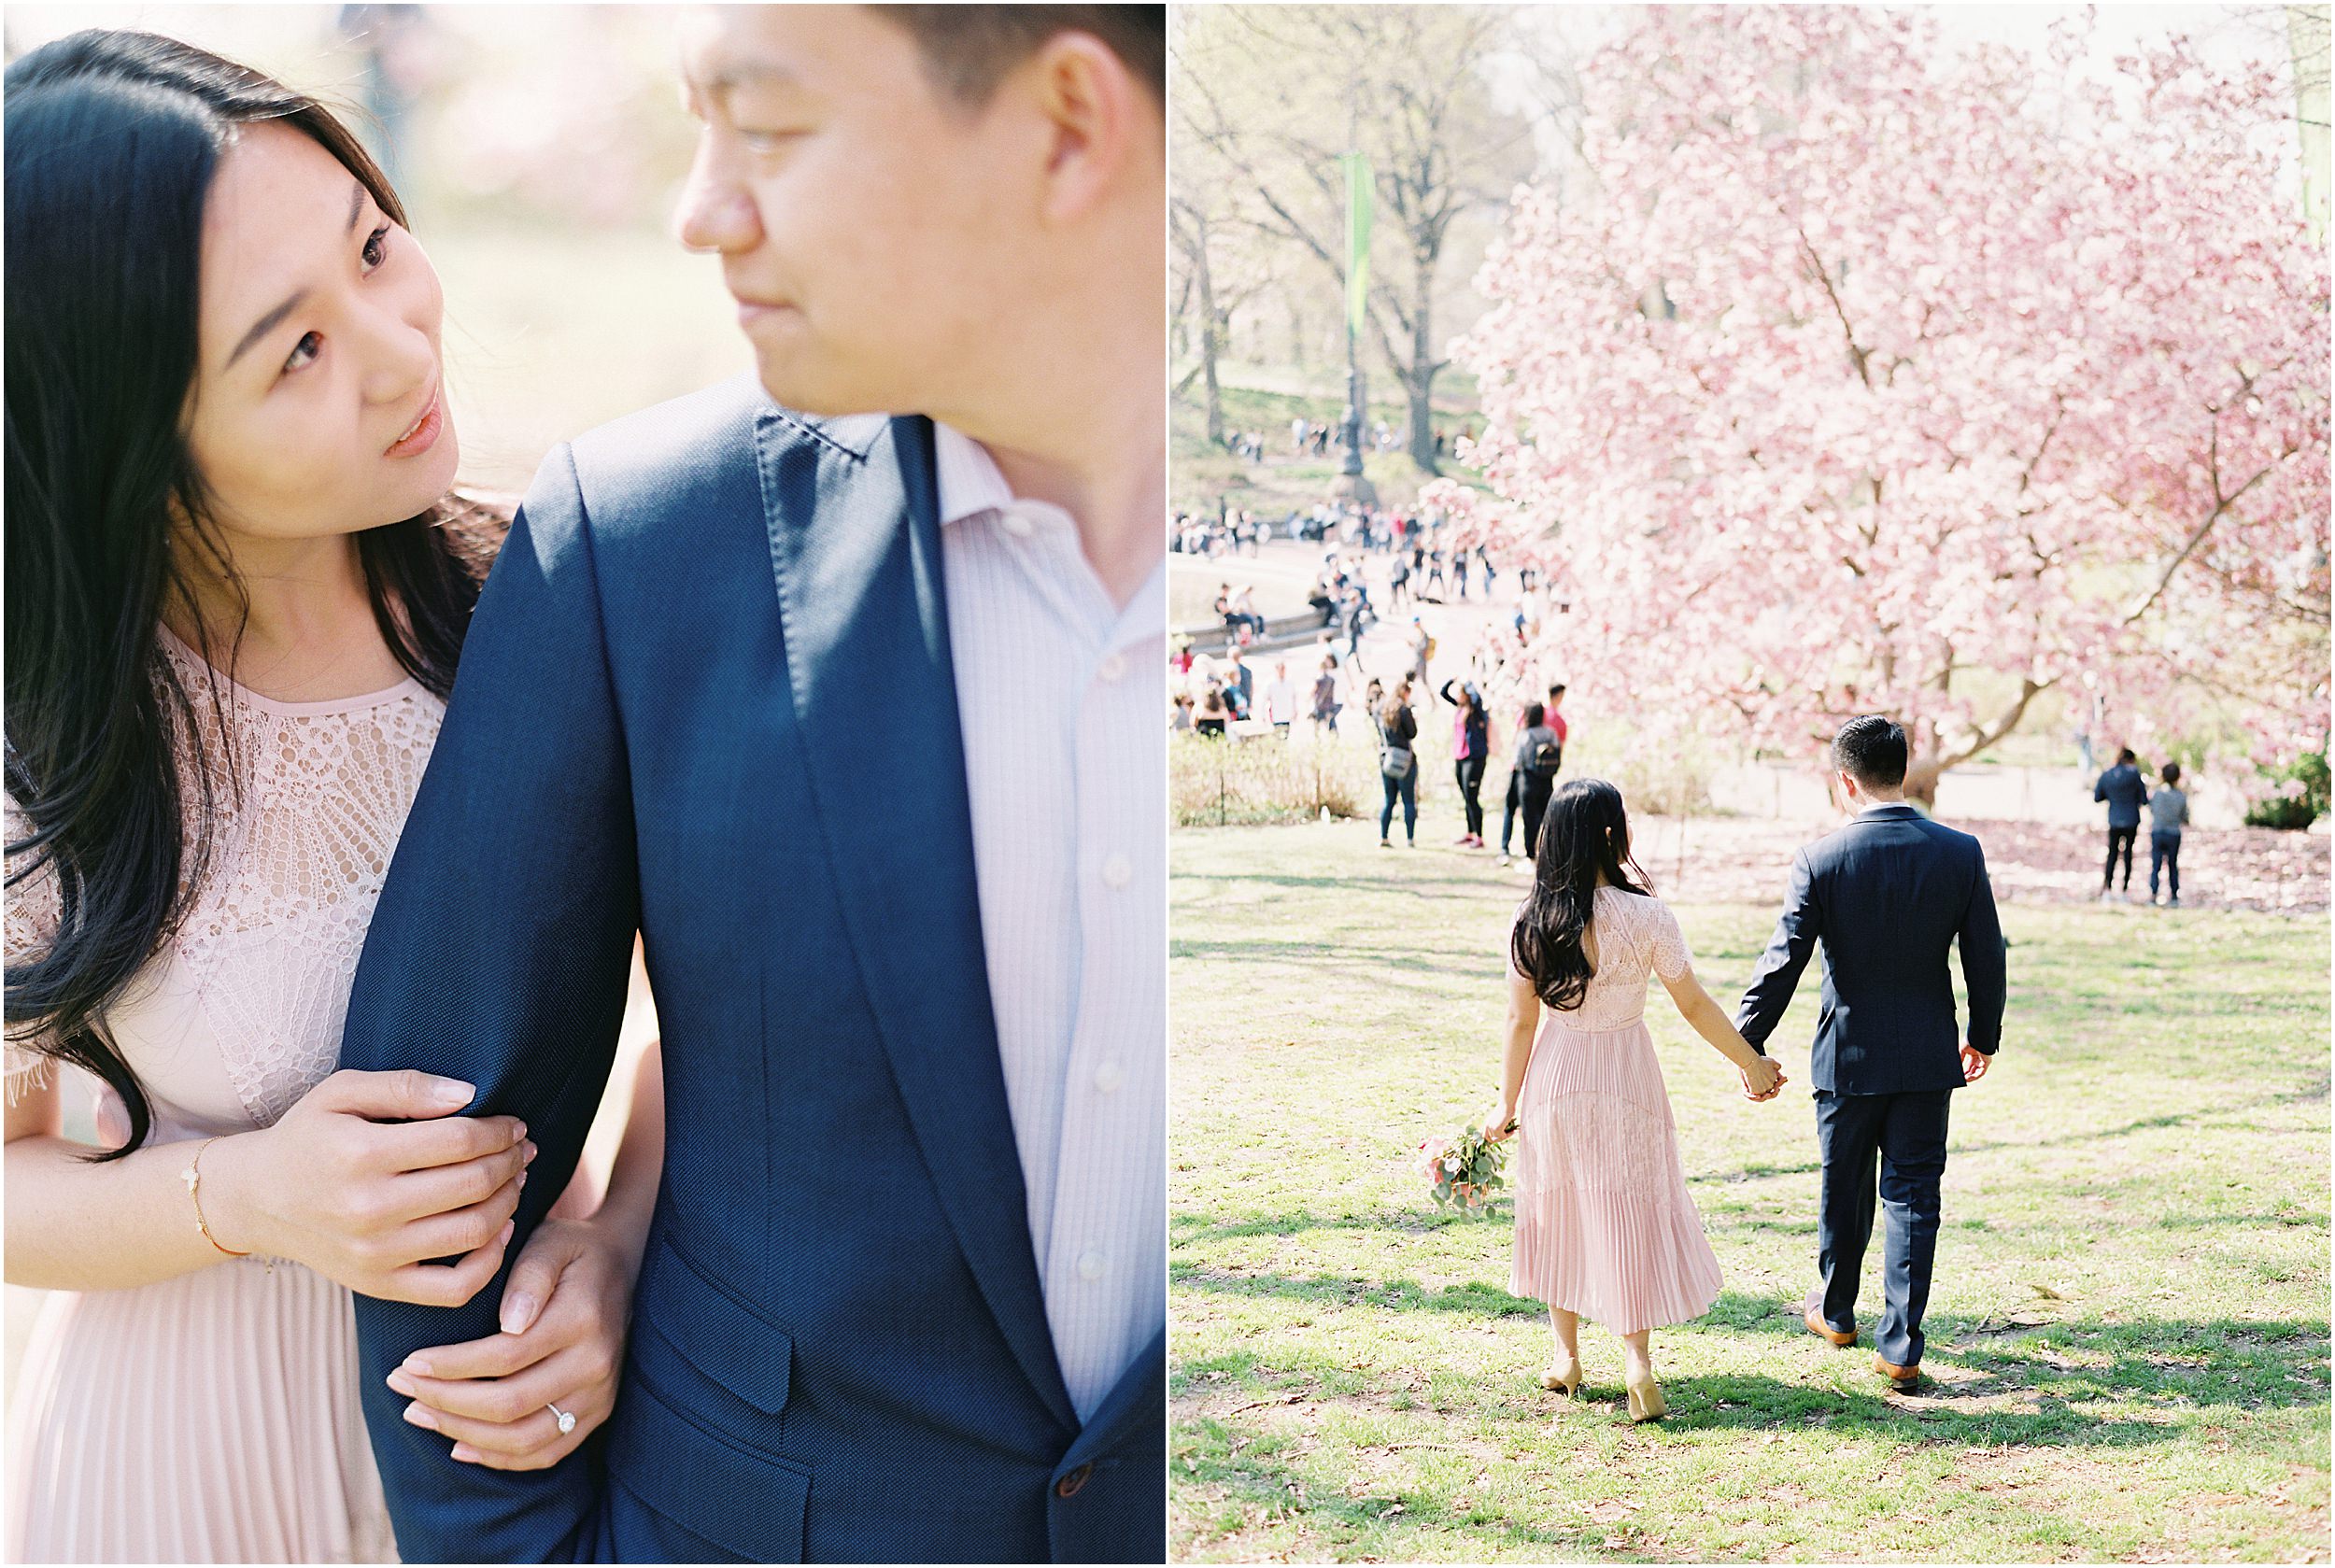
<point x="403" y="1384"/>
<point x="522" y="1182"/>
<point x="530" y="1152"/>
<point x="420" y="1416"/>
<point x="521" y="1130"/>
<point x="517" y="1312"/>
<point x="415" y="1364"/>
<point x="507" y="1228"/>
<point x="452" y="1091"/>
<point x="464" y="1453"/>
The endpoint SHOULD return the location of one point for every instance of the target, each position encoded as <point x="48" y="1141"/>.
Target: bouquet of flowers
<point x="1463" y="1172"/>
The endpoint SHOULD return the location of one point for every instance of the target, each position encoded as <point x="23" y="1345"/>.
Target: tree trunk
<point x="1422" y="427"/>
<point x="1922" y="774"/>
<point x="1419" y="375"/>
<point x="1211" y="340"/>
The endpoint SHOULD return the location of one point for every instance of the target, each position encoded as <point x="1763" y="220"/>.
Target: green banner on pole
<point x="1358" y="213"/>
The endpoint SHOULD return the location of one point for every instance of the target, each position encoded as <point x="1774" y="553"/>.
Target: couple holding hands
<point x="338" y="802"/>
<point x="1604" y="1226"/>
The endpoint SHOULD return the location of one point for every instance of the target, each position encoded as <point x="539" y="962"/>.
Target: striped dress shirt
<point x="1062" y="695"/>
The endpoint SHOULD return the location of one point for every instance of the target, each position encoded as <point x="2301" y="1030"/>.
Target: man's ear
<point x="1098" y="118"/>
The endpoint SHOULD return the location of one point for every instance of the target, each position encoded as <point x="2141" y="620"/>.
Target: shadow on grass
<point x="1761" y="1169"/>
<point x="2002" y="1383"/>
<point x="1226" y="1454"/>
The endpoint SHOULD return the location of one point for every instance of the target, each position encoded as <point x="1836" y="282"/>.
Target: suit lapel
<point x="856" y="545"/>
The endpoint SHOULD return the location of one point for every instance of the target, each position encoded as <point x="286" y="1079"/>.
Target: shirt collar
<point x="967" y="482"/>
<point x="967" y="479"/>
<point x="1880" y="806"/>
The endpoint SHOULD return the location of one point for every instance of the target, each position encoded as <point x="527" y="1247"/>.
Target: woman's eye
<point x="377" y="247"/>
<point x="304" y="351"/>
<point x="767" y="141"/>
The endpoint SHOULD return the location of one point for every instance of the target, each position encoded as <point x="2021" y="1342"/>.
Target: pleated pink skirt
<point x="212" y="1418"/>
<point x="1603" y="1224"/>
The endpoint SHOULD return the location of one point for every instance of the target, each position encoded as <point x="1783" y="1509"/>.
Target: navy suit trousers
<point x="1905" y="1136"/>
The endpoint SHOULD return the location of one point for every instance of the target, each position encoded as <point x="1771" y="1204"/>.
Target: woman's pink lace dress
<point x="213" y="1418"/>
<point x="1603" y="1224"/>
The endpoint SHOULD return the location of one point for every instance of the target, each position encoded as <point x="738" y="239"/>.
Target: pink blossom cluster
<point x="1865" y="375"/>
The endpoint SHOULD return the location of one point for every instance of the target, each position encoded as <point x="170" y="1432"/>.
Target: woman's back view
<point x="1604" y="1225"/>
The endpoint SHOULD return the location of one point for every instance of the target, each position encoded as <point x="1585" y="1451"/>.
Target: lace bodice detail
<point x="1634" y="936"/>
<point x="254" y="987"/>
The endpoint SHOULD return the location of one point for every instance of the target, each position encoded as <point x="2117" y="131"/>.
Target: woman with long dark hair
<point x="1398" y="764"/>
<point x="1605" y="1227"/>
<point x="238" y="581"/>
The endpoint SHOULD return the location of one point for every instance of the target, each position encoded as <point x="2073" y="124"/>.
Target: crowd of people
<point x="1320" y="438"/>
<point x="1379" y="570"/>
<point x="1323" y="680"/>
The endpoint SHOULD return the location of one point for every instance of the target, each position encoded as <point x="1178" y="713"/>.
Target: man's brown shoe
<point x="1812" y="1314"/>
<point x="1905" y="1378"/>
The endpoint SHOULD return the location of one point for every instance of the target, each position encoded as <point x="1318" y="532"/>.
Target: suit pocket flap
<point x="716" y="1333"/>
<point x="749" y="1503"/>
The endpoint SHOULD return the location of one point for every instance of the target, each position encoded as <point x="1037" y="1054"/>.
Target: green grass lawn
<point x="2127" y="1330"/>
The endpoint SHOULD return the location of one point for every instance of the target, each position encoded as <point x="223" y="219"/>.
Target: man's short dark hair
<point x="1557" y="690"/>
<point x="969" y="50"/>
<point x="2126" y="756"/>
<point x="1871" y="749"/>
<point x="2172" y="772"/>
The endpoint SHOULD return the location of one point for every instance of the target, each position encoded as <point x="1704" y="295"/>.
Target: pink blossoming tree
<point x="1867" y="377"/>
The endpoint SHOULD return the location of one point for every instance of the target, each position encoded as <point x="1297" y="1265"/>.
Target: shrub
<point x="1265" y="778"/>
<point x="2298" y="795"/>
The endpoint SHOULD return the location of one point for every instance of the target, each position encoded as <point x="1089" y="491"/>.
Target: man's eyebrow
<point x="744" y="74"/>
<point x="747" y="73"/>
<point x="274" y="318"/>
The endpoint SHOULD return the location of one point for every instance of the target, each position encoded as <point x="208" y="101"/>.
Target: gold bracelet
<point x="193" y="1177"/>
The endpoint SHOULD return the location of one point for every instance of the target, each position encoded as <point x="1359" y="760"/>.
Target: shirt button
<point x="1091" y="1265"/>
<point x="1118" y="871"/>
<point x="1114" y="667"/>
<point x="1108" y="1076"/>
<point x="1014" y="523"/>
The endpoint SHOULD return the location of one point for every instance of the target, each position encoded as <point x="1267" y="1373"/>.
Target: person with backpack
<point x="1532" y="776"/>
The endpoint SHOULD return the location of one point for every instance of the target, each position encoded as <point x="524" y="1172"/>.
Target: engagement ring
<point x="567" y="1419"/>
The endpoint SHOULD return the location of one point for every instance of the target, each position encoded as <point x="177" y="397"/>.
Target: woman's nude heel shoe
<point x="1646" y="1402"/>
<point x="1565" y="1379"/>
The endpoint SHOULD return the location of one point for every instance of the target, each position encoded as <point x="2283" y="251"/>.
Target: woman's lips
<point x="424" y="433"/>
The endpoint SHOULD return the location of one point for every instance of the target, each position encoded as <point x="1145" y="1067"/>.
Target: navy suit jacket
<point x="839" y="1346"/>
<point x="1887" y="896"/>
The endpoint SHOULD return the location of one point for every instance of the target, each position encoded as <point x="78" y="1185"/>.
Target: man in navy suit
<point x="1887" y="896"/>
<point x="839" y="685"/>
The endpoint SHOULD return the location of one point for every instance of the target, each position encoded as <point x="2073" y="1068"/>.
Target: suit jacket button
<point x="1069" y="1486"/>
